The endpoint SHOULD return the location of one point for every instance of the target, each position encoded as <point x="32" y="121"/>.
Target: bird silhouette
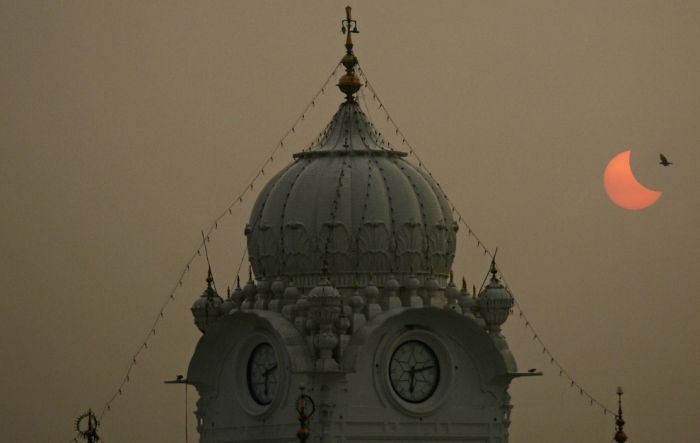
<point x="664" y="161"/>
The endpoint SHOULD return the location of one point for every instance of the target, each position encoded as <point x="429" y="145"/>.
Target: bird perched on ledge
<point x="664" y="161"/>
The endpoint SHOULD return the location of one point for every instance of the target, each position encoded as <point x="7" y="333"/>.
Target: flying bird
<point x="664" y="161"/>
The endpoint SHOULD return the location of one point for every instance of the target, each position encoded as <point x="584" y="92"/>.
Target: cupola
<point x="353" y="202"/>
<point x="495" y="302"/>
<point x="207" y="308"/>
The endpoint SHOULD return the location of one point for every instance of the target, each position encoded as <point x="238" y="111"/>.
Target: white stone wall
<point x="355" y="403"/>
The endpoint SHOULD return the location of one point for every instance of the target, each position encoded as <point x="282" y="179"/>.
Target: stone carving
<point x="262" y="298"/>
<point x="268" y="254"/>
<point x="453" y="296"/>
<point x="438" y="247"/>
<point x="301" y="308"/>
<point x="357" y="303"/>
<point x="391" y="299"/>
<point x="297" y="246"/>
<point x="289" y="300"/>
<point x="343" y="327"/>
<point x="410" y="297"/>
<point x="249" y="292"/>
<point x="335" y="245"/>
<point x="410" y="245"/>
<point x="434" y="295"/>
<point x="277" y="289"/>
<point x="374" y="246"/>
<point x="372" y="309"/>
<point x="324" y="311"/>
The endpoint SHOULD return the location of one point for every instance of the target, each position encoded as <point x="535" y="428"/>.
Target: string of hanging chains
<point x="593" y="401"/>
<point x="206" y="239"/>
<point x="471" y="234"/>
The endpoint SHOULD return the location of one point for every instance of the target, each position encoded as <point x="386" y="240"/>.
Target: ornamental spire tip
<point x="349" y="84"/>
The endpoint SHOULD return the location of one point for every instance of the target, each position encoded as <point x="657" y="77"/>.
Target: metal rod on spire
<point x="493" y="270"/>
<point x="210" y="276"/>
<point x="350" y="29"/>
<point x="349" y="84"/>
<point x="620" y="436"/>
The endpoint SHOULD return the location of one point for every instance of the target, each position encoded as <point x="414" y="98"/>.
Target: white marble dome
<point x="354" y="204"/>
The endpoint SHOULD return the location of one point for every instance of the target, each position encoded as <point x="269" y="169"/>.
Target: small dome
<point x="207" y="308"/>
<point x="233" y="300"/>
<point x="466" y="301"/>
<point x="495" y="302"/>
<point x="356" y="204"/>
<point x="391" y="284"/>
<point x="291" y="292"/>
<point x="324" y="291"/>
<point x="278" y="286"/>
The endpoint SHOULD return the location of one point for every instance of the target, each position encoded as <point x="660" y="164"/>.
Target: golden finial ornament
<point x="305" y="408"/>
<point x="349" y="84"/>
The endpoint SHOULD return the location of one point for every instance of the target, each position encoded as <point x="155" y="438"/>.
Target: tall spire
<point x="210" y="278"/>
<point x="349" y="83"/>
<point x="620" y="436"/>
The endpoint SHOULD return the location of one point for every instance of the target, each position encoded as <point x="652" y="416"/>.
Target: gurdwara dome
<point x="354" y="209"/>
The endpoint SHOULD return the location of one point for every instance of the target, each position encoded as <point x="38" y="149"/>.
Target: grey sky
<point x="128" y="127"/>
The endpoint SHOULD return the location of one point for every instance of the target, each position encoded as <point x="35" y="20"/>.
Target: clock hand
<point x="266" y="375"/>
<point x="424" y="368"/>
<point x="412" y="371"/>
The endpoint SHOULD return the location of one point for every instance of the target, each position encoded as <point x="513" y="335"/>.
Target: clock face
<point x="414" y="371"/>
<point x="263" y="374"/>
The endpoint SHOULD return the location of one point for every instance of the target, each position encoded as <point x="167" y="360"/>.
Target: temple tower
<point x="351" y="296"/>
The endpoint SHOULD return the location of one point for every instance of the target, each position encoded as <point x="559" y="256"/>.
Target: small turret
<point x="233" y="301"/>
<point x="249" y="292"/>
<point x="391" y="287"/>
<point x="452" y="294"/>
<point x="324" y="310"/>
<point x="207" y="308"/>
<point x="495" y="302"/>
<point x="289" y="300"/>
<point x="278" y="287"/>
<point x="410" y="298"/>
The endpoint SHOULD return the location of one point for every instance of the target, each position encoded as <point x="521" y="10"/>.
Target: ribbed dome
<point x="355" y="204"/>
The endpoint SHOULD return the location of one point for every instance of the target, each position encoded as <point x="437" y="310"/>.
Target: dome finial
<point x="324" y="268"/>
<point x="620" y="436"/>
<point x="494" y="269"/>
<point x="210" y="278"/>
<point x="351" y="28"/>
<point x="349" y="83"/>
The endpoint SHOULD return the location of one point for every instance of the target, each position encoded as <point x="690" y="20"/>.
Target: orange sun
<point x="622" y="188"/>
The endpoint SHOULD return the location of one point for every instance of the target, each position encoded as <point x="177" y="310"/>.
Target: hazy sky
<point x="127" y="127"/>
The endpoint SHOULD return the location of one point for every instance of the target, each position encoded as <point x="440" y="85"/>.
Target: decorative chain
<point x="480" y="245"/>
<point x="206" y="239"/>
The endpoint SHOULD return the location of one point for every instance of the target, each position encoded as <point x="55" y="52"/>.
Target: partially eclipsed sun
<point x="622" y="188"/>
